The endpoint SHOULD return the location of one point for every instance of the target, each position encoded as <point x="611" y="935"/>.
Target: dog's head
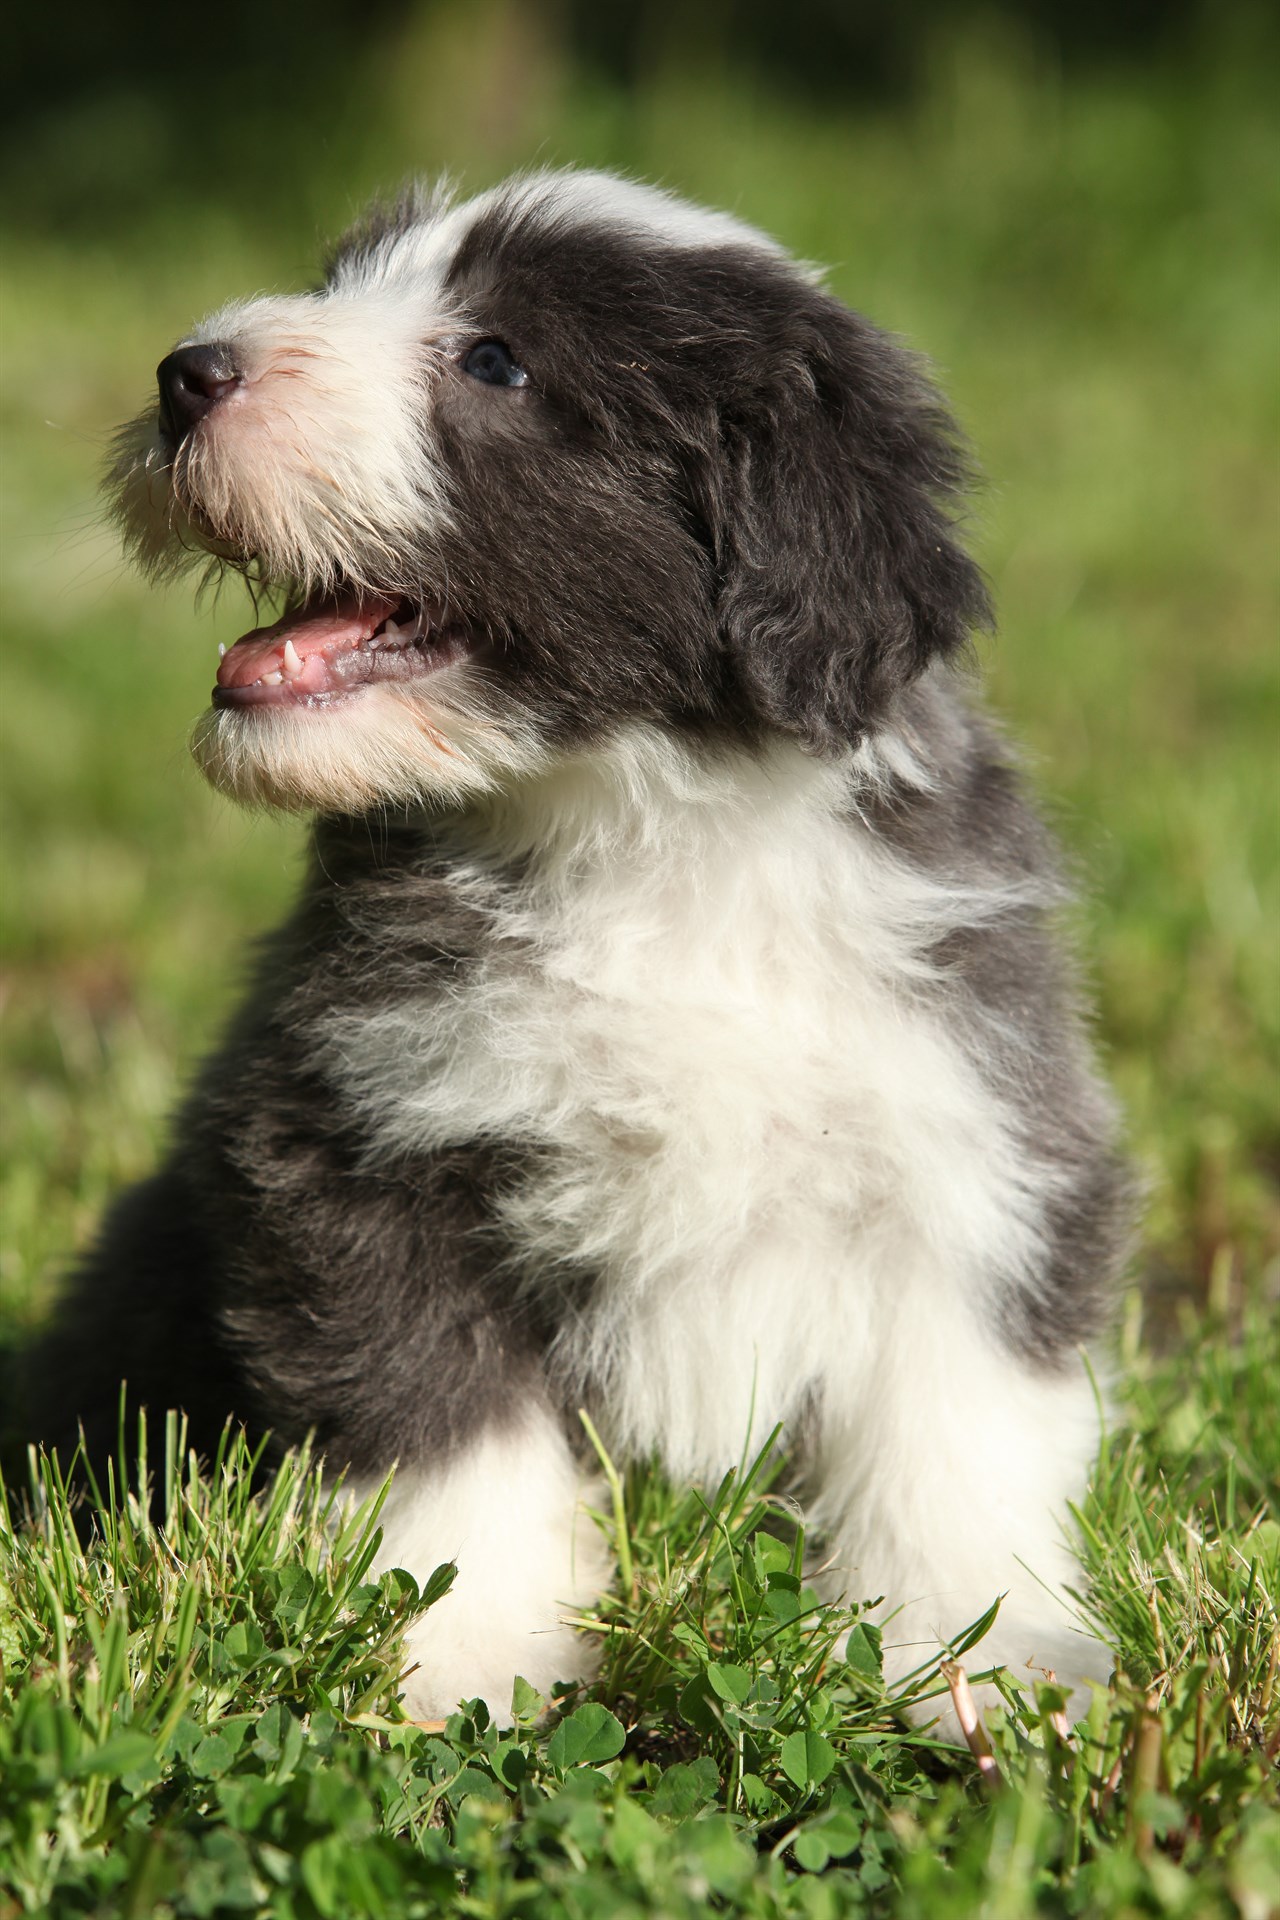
<point x="569" y="455"/>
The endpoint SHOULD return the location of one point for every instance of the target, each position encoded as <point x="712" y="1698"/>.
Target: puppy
<point x="671" y="1023"/>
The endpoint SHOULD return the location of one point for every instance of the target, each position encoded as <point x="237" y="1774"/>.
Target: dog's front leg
<point x="942" y="1484"/>
<point x="374" y="1314"/>
<point x="374" y="1311"/>
<point x="507" y="1505"/>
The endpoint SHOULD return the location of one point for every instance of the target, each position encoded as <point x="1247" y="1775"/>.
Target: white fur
<point x="714" y="1014"/>
<point x="583" y="197"/>
<point x="398" y="744"/>
<point x="314" y="461"/>
<point x="943" y="1484"/>
<point x="511" y="1511"/>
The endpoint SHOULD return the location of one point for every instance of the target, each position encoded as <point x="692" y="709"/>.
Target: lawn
<point x="204" y="1720"/>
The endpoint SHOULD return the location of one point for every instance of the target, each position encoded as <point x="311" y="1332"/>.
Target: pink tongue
<point x="336" y="627"/>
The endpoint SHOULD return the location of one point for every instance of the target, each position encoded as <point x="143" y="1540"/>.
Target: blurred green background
<point x="1072" y="209"/>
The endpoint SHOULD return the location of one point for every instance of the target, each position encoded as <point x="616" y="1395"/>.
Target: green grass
<point x="200" y="1716"/>
<point x="202" y="1720"/>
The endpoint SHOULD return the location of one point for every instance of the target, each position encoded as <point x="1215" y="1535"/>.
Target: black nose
<point x="191" y="381"/>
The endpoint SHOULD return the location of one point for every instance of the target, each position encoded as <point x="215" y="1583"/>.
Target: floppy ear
<point x="840" y="574"/>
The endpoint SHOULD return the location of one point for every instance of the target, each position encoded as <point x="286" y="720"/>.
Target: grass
<point x="201" y="1718"/>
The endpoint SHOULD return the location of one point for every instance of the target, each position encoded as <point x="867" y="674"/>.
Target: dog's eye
<point x="491" y="362"/>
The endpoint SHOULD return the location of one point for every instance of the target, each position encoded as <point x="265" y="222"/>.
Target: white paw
<point x="509" y="1512"/>
<point x="452" y="1655"/>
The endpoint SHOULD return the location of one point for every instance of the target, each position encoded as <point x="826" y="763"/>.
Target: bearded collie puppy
<point x="671" y="1022"/>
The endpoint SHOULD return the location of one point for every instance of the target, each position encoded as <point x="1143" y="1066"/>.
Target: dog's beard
<point x="388" y="745"/>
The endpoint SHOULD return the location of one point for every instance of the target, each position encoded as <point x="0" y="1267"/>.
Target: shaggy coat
<point x="672" y="1021"/>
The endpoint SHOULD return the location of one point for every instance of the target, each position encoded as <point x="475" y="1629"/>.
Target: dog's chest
<point x="732" y="1096"/>
<point x="694" y="1048"/>
<point x="658" y="1052"/>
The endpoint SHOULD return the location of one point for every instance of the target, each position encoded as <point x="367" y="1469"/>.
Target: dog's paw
<point x="514" y="1515"/>
<point x="452" y="1656"/>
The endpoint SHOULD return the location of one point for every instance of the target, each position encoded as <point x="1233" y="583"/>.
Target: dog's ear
<point x="839" y="573"/>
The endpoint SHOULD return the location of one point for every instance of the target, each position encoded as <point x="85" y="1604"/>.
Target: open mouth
<point x="330" y="649"/>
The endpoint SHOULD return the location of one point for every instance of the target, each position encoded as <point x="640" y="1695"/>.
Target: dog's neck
<point x="645" y="798"/>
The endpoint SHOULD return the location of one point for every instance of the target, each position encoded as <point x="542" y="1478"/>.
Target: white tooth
<point x="292" y="662"/>
<point x="222" y="647"/>
<point x="271" y="680"/>
<point x="390" y="631"/>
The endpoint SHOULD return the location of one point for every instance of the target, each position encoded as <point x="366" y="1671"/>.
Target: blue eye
<point x="491" y="362"/>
